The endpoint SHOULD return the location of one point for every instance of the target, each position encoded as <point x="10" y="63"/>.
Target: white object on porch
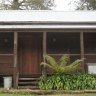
<point x="91" y="67"/>
<point x="7" y="82"/>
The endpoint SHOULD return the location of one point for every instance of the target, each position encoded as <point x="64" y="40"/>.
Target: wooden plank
<point x="44" y="42"/>
<point x="49" y="30"/>
<point x="63" y="54"/>
<point x="29" y="83"/>
<point x="90" y="54"/>
<point x="82" y="48"/>
<point x="72" y="54"/>
<point x="30" y="87"/>
<point x="6" y="54"/>
<point x="44" y="52"/>
<point x="15" y="60"/>
<point x="8" y="71"/>
<point x="29" y="79"/>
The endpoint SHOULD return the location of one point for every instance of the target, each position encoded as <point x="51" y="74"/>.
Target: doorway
<point x="30" y="53"/>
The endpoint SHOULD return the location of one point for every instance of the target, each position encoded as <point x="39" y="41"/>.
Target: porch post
<point x="15" y="77"/>
<point x="44" y="52"/>
<point x="82" y="48"/>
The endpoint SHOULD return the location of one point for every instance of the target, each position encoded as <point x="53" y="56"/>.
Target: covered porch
<point x="22" y="52"/>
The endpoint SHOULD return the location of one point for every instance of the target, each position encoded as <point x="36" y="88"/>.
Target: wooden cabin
<point x="26" y="35"/>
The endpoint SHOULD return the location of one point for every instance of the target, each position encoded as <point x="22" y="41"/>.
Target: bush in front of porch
<point x="81" y="81"/>
<point x="62" y="81"/>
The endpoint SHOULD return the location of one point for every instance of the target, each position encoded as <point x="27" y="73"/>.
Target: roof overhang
<point x="47" y="20"/>
<point x="47" y="26"/>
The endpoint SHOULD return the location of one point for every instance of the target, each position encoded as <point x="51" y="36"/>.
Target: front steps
<point x="30" y="82"/>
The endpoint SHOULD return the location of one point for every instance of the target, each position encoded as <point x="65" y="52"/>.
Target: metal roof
<point x="61" y="16"/>
<point x="44" y="19"/>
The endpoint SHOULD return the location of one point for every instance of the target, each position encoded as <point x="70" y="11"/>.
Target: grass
<point x="90" y="94"/>
<point x="72" y="95"/>
<point x="14" y="95"/>
<point x="28" y="92"/>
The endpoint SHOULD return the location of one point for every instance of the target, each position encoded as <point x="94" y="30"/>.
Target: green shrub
<point x="61" y="65"/>
<point x="79" y="81"/>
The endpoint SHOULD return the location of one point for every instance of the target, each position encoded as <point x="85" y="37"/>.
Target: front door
<point x="30" y="54"/>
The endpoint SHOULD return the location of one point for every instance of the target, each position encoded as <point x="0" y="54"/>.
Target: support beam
<point x="44" y="52"/>
<point x="82" y="48"/>
<point x="15" y="77"/>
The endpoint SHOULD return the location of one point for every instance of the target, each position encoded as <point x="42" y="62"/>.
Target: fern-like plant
<point x="61" y="66"/>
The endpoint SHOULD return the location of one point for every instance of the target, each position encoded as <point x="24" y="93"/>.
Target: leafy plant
<point x="79" y="81"/>
<point x="61" y="66"/>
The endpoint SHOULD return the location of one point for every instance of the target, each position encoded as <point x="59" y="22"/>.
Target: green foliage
<point x="86" y="4"/>
<point x="64" y="60"/>
<point x="79" y="81"/>
<point x="61" y="66"/>
<point x="26" y="4"/>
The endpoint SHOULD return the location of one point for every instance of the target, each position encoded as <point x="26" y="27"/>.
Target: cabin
<point x="26" y="35"/>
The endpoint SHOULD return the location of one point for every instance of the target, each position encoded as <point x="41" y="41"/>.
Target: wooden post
<point x="15" y="77"/>
<point x="82" y="48"/>
<point x="44" y="52"/>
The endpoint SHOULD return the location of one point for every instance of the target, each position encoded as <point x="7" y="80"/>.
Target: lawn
<point x="90" y="94"/>
<point x="73" y="95"/>
<point x="28" y="92"/>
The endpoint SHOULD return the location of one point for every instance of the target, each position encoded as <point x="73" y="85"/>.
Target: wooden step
<point x="28" y="82"/>
<point x="28" y="87"/>
<point x="25" y="83"/>
<point x="29" y="78"/>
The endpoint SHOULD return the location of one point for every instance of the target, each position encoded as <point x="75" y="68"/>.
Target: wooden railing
<point x="63" y="54"/>
<point x="6" y="64"/>
<point x="6" y="54"/>
<point x="87" y="54"/>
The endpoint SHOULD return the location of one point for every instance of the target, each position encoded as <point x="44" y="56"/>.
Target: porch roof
<point x="47" y="19"/>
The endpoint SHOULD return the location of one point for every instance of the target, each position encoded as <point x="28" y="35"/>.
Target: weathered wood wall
<point x="6" y="53"/>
